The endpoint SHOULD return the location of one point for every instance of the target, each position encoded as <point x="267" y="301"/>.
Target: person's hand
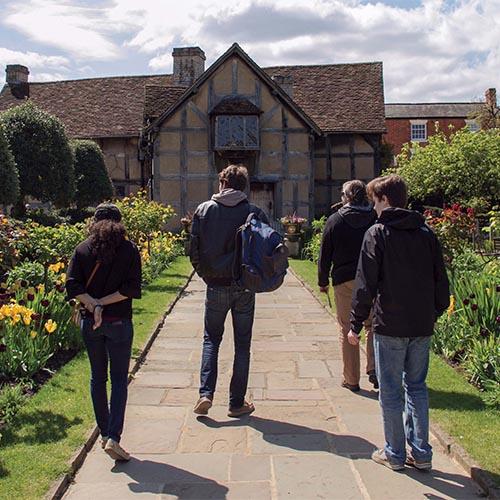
<point x="353" y="338"/>
<point x="90" y="304"/>
<point x="323" y="289"/>
<point x="97" y="316"/>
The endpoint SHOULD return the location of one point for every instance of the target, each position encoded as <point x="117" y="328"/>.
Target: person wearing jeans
<point x="401" y="274"/>
<point x="212" y="253"/>
<point x="105" y="275"/>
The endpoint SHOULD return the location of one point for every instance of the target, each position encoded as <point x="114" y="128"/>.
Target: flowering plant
<point x="293" y="219"/>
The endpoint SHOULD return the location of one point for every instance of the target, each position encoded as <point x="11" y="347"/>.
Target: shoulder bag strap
<point x="92" y="274"/>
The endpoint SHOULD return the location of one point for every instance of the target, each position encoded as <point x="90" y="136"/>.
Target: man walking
<point x="213" y="235"/>
<point x="401" y="268"/>
<point x="340" y="247"/>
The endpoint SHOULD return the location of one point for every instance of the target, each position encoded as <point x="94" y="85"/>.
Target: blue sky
<point x="432" y="50"/>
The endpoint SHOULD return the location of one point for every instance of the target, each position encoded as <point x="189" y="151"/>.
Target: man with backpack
<point x="212" y="253"/>
<point x="401" y="273"/>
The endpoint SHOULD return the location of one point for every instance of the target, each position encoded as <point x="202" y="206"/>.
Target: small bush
<point x="312" y="247"/>
<point x="11" y="400"/>
<point x="9" y="187"/>
<point x="32" y="272"/>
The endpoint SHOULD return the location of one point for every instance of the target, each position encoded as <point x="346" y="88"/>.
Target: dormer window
<point x="236" y="132"/>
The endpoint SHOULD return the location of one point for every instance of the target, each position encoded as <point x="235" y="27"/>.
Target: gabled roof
<point x="339" y="97"/>
<point x="158" y="98"/>
<point x="431" y="110"/>
<point x="235" y="49"/>
<point x="94" y="107"/>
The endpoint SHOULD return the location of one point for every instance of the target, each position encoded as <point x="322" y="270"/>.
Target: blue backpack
<point x="261" y="258"/>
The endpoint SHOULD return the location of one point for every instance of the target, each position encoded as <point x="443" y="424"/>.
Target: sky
<point x="432" y="50"/>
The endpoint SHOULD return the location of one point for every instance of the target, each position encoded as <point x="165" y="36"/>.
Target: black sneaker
<point x="352" y="388"/>
<point x="372" y="378"/>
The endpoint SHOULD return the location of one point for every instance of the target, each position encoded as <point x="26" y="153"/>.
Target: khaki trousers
<point x="350" y="353"/>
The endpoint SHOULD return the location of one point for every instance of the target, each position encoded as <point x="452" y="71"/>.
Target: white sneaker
<point x="115" y="451"/>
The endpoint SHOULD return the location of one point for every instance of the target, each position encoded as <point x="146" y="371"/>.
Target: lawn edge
<point x="61" y="485"/>
<point x="482" y="478"/>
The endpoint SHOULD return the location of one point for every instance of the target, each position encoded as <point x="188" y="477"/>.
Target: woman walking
<point x="105" y="275"/>
<point x="340" y="248"/>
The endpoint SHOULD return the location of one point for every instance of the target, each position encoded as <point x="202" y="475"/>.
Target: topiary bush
<point x="9" y="186"/>
<point x="93" y="184"/>
<point x="42" y="153"/>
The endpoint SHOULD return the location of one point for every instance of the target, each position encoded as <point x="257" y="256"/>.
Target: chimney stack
<point x="16" y="76"/>
<point x="189" y="64"/>
<point x="490" y="97"/>
<point x="285" y="82"/>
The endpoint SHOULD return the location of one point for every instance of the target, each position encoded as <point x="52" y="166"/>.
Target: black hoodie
<point x="401" y="268"/>
<point x="341" y="243"/>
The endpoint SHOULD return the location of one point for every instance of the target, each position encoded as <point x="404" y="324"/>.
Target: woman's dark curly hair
<point x="105" y="237"/>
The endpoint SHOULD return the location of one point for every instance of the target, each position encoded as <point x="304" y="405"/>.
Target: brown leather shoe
<point x="353" y="388"/>
<point x="246" y="409"/>
<point x="202" y="406"/>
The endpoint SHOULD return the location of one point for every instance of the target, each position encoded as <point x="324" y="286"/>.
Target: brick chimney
<point x="189" y="64"/>
<point x="490" y="98"/>
<point x="16" y="76"/>
<point x="285" y="82"/>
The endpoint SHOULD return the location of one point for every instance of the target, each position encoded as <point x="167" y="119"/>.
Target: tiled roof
<point x="339" y="97"/>
<point x="94" y="107"/>
<point x="159" y="98"/>
<point x="431" y="110"/>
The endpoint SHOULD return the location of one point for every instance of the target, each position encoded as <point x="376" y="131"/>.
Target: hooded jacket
<point x="213" y="234"/>
<point x="341" y="243"/>
<point x="401" y="268"/>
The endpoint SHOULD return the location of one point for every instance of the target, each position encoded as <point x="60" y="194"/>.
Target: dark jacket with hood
<point x="341" y="243"/>
<point x="213" y="235"/>
<point x="401" y="268"/>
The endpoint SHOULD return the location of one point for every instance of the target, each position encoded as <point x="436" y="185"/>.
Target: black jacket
<point x="213" y="236"/>
<point x="122" y="275"/>
<point x="401" y="267"/>
<point x="341" y="243"/>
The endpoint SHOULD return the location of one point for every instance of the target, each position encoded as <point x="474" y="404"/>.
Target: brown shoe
<point x="202" y="406"/>
<point x="104" y="440"/>
<point x="115" y="451"/>
<point x="246" y="409"/>
<point x="351" y="387"/>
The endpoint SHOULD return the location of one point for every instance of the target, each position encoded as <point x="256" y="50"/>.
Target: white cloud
<point x="440" y="50"/>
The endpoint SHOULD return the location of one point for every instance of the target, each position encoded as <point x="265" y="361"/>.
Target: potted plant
<point x="292" y="223"/>
<point x="186" y="222"/>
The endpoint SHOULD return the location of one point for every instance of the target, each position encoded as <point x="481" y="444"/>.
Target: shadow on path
<point x="147" y="474"/>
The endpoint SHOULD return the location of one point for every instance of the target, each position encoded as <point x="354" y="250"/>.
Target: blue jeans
<point x="110" y="342"/>
<point x="402" y="364"/>
<point x="219" y="301"/>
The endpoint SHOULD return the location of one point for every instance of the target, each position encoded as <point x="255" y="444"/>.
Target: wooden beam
<point x="234" y="76"/>
<point x="284" y="143"/>
<point x="312" y="175"/>
<point x="198" y="112"/>
<point x="181" y="129"/>
<point x="183" y="161"/>
<point x="352" y="157"/>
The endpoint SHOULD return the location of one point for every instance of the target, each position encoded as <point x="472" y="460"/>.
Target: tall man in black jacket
<point x="212" y="248"/>
<point x="401" y="272"/>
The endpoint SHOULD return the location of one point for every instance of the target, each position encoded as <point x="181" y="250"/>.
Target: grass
<point x="455" y="404"/>
<point x="36" y="448"/>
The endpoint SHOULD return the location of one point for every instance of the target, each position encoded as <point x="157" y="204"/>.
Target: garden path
<point x="308" y="438"/>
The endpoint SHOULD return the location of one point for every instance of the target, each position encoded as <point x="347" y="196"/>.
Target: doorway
<point x="262" y="195"/>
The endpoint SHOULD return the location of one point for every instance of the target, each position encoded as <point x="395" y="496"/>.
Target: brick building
<point x="301" y="130"/>
<point x="417" y="122"/>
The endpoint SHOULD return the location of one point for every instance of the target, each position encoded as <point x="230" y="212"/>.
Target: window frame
<point x="472" y="126"/>
<point x="235" y="147"/>
<point x="418" y="123"/>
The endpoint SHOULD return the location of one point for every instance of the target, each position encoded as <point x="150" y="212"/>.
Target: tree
<point x="93" y="184"/>
<point x="487" y="116"/>
<point x="42" y="154"/>
<point x="464" y="168"/>
<point x="9" y="187"/>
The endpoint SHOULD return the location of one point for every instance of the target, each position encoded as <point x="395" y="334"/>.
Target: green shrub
<point x="312" y="247"/>
<point x="42" y="154"/>
<point x="464" y="168"/>
<point x="9" y="187"/>
<point x="32" y="272"/>
<point x="11" y="399"/>
<point x="93" y="184"/>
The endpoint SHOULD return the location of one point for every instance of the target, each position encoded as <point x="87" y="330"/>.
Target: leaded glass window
<point x="236" y="132"/>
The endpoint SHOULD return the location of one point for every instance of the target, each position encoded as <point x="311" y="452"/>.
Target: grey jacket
<point x="213" y="235"/>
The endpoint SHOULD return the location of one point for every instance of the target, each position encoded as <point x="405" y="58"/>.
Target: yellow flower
<point x="41" y="288"/>
<point x="33" y="334"/>
<point x="27" y="319"/>
<point x="62" y="277"/>
<point x="451" y="307"/>
<point x="50" y="326"/>
<point x="31" y="290"/>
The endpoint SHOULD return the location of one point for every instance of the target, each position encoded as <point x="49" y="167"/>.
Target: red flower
<point x="466" y="302"/>
<point x="3" y="347"/>
<point x="60" y="288"/>
<point x="498" y="288"/>
<point x="21" y="302"/>
<point x="474" y="307"/>
<point x="472" y="296"/>
<point x="498" y="319"/>
<point x="45" y="303"/>
<point x="36" y="316"/>
<point x="31" y="297"/>
<point x="24" y="283"/>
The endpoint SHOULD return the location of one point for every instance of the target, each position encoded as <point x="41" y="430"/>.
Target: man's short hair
<point x="355" y="192"/>
<point x="235" y="177"/>
<point x="393" y="186"/>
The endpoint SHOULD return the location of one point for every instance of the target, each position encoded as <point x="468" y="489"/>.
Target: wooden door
<point x="262" y="195"/>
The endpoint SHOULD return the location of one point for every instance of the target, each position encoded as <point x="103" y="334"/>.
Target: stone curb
<point x="57" y="491"/>
<point x="482" y="478"/>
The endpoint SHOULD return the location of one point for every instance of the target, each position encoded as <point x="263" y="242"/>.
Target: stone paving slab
<point x="308" y="439"/>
